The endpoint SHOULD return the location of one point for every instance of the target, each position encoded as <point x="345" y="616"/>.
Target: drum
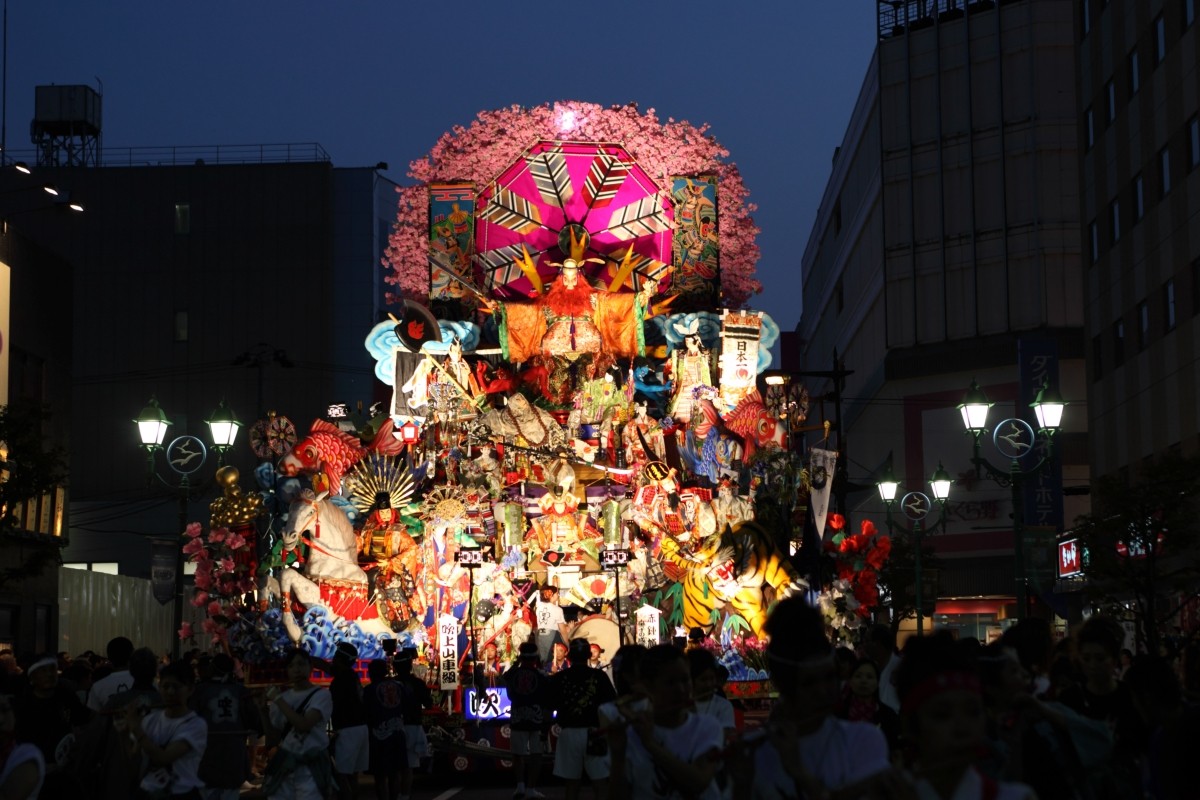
<point x="601" y="630"/>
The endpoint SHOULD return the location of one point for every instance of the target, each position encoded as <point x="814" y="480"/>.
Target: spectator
<point x="142" y="670"/>
<point x="859" y="702"/>
<point x="942" y="713"/>
<point x="119" y="651"/>
<point x="172" y="739"/>
<point x="550" y="621"/>
<point x="665" y="750"/>
<point x="1032" y="740"/>
<point x="576" y="693"/>
<point x="1174" y="728"/>
<point x="383" y="703"/>
<point x="78" y="676"/>
<point x="846" y="662"/>
<point x="48" y="715"/>
<point x="880" y="647"/>
<point x="1101" y="696"/>
<point x="351" y="750"/>
<point x="1032" y="640"/>
<point x="703" y="667"/>
<point x="415" y="698"/>
<point x="806" y="749"/>
<point x="23" y="768"/>
<point x="227" y="708"/>
<point x="300" y="769"/>
<point x="528" y="721"/>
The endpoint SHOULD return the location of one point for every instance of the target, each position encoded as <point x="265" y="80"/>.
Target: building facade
<point x="200" y="281"/>
<point x="946" y="249"/>
<point x="1138" y="97"/>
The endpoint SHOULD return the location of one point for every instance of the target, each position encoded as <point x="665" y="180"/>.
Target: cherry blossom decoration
<point x="483" y="150"/>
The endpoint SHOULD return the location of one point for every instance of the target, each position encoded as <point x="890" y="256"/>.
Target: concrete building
<point x="250" y="276"/>
<point x="947" y="249"/>
<point x="1138" y="95"/>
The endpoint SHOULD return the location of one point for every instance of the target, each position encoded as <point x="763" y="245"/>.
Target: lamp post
<point x="1015" y="439"/>
<point x="185" y="456"/>
<point x="916" y="506"/>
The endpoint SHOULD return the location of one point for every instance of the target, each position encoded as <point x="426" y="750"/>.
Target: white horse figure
<point x="331" y="576"/>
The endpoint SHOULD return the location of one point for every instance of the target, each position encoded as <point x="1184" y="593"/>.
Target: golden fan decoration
<point x="379" y="473"/>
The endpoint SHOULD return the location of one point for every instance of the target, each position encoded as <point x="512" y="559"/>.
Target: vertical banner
<point x="696" y="246"/>
<point x="451" y="242"/>
<point x="647" y="626"/>
<point x="163" y="556"/>
<point x="821" y="464"/>
<point x="448" y="651"/>
<point x="740" y="333"/>
<point x="1043" y="497"/>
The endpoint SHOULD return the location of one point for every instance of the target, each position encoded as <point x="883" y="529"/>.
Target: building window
<point x="1135" y="73"/>
<point x="1097" y="358"/>
<point x="1118" y="343"/>
<point x="1139" y="199"/>
<point x="1169" y="305"/>
<point x="1160" y="40"/>
<point x="183" y="218"/>
<point x="1110" y="91"/>
<point x="1089" y="127"/>
<point x="1115" y="217"/>
<point x="1189" y="13"/>
<point x="1194" y="142"/>
<point x="1143" y="325"/>
<point x="1094" y="233"/>
<point x="1164" y="170"/>
<point x="1086" y="9"/>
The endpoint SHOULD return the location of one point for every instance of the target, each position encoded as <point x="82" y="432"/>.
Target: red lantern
<point x="409" y="432"/>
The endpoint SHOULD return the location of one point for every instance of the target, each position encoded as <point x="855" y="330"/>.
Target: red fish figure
<point x="331" y="451"/>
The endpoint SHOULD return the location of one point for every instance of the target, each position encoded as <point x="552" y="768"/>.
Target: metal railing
<point x="192" y="155"/>
<point x="897" y="16"/>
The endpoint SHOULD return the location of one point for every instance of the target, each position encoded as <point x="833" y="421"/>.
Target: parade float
<point x="576" y="420"/>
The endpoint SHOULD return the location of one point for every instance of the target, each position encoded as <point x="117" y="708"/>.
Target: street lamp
<point x="1014" y="438"/>
<point x="916" y="506"/>
<point x="185" y="455"/>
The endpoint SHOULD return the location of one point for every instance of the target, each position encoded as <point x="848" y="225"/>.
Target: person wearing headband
<point x="942" y="716"/>
<point x="808" y="752"/>
<point x="47" y="715"/>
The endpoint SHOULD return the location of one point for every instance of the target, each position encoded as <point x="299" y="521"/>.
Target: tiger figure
<point x="731" y="568"/>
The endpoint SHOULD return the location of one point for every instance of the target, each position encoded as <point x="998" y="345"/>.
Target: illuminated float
<point x="576" y="404"/>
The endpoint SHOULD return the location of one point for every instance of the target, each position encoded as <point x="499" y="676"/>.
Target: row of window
<point x="1187" y="12"/>
<point x="1134" y="67"/>
<point x="1143" y="321"/>
<point x="1137" y="192"/>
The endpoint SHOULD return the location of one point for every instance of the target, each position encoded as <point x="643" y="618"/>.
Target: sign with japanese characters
<point x="647" y="626"/>
<point x="1070" y="558"/>
<point x="740" y="333"/>
<point x="447" y="641"/>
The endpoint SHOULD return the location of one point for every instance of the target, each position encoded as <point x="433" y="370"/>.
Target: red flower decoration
<point x="836" y="522"/>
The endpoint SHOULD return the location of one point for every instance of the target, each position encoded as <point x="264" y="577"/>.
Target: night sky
<point x="380" y="81"/>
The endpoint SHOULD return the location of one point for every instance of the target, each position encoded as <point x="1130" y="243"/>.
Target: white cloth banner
<point x="821" y="465"/>
<point x="647" y="626"/>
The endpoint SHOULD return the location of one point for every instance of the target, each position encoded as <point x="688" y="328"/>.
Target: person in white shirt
<point x="301" y="769"/>
<point x="550" y="621"/>
<point x="172" y="739"/>
<point x="119" y="680"/>
<point x="703" y="665"/>
<point x="666" y="751"/>
<point x="880" y="647"/>
<point x="805" y="751"/>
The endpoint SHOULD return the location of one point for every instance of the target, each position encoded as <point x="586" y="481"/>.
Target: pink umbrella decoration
<point x="557" y="187"/>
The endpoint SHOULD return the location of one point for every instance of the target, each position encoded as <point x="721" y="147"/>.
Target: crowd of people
<point x="941" y="719"/>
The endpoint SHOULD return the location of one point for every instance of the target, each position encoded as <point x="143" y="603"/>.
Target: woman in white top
<point x="705" y="680"/>
<point x="666" y="751"/>
<point x="22" y="768"/>
<point x="301" y="768"/>
<point x="172" y="739"/>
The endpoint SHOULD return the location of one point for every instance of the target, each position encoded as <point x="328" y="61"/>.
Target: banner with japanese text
<point x="451" y="243"/>
<point x="447" y="643"/>
<point x="696" y="244"/>
<point x="740" y="332"/>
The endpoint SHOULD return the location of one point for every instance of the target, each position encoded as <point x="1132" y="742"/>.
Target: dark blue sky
<point x="376" y="80"/>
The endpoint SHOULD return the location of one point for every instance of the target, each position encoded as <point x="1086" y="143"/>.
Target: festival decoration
<point x="696" y="247"/>
<point x="451" y="242"/>
<point x="851" y="598"/>
<point x="494" y="141"/>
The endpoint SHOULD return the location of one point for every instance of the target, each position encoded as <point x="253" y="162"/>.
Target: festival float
<point x="575" y="425"/>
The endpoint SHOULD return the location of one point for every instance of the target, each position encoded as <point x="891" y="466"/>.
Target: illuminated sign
<point x="489" y="703"/>
<point x="1070" y="558"/>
